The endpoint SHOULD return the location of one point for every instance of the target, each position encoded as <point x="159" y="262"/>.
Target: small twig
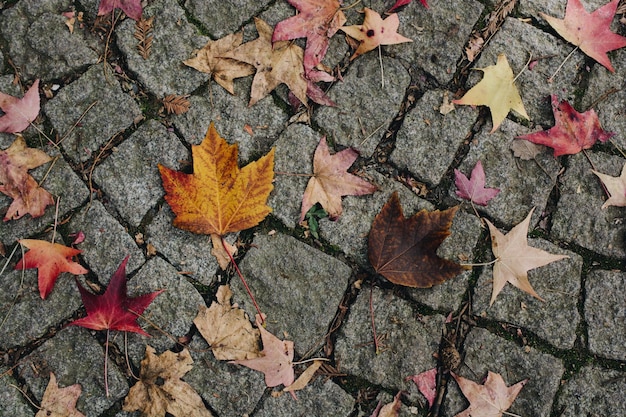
<point x="350" y="6"/>
<point x="17" y="293"/>
<point x="605" y="95"/>
<point x="371" y="134"/>
<point x="382" y="71"/>
<point x="77" y="122"/>
<point x="310" y="360"/>
<point x="126" y="356"/>
<point x="530" y="57"/>
<point x="561" y="66"/>
<point x="617" y="147"/>
<point x="26" y="396"/>
<point x="292" y="174"/>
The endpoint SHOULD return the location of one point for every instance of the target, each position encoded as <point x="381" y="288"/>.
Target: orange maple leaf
<point x="51" y="259"/>
<point x="219" y="198"/>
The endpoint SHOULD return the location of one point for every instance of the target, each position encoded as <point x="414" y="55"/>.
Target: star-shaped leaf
<point x="616" y="186"/>
<point x="474" y="189"/>
<point x="19" y="112"/>
<point x="489" y="400"/>
<point x="375" y="31"/>
<point x="219" y="198"/>
<point x="591" y="32"/>
<point x="276" y="362"/>
<point x="59" y="402"/>
<point x="51" y="259"/>
<point x="223" y="70"/>
<point x="114" y="310"/>
<point x="331" y="180"/>
<point x="317" y="21"/>
<point x="132" y="8"/>
<point x="275" y="64"/>
<point x="405" y="250"/>
<point x="572" y="131"/>
<point x="401" y="3"/>
<point x="514" y="258"/>
<point x="497" y="91"/>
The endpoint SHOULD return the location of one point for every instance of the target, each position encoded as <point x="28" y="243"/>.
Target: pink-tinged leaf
<point x="132" y="8"/>
<point x="489" y="400"/>
<point x="616" y="187"/>
<point x="474" y="189"/>
<point x="401" y="3"/>
<point x="572" y="131"/>
<point x="389" y="410"/>
<point x="19" y="112"/>
<point x="426" y="384"/>
<point x="114" y="310"/>
<point x="276" y="362"/>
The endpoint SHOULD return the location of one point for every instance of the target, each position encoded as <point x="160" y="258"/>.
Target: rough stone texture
<point x="298" y="287"/>
<point x="515" y="40"/>
<point x="106" y="242"/>
<point x="357" y="122"/>
<point x="286" y="197"/>
<point x="578" y="218"/>
<point x="427" y="142"/>
<point x="20" y="303"/>
<point x="232" y="390"/>
<point x="593" y="392"/>
<point x="130" y="176"/>
<point x="223" y="17"/>
<point x="523" y="184"/>
<point x="554" y="8"/>
<point x="174" y="40"/>
<point x="407" y="346"/>
<point x="605" y="313"/>
<point x="172" y="311"/>
<point x="487" y="352"/>
<point x="41" y="45"/>
<point x="12" y="402"/>
<point x="113" y="112"/>
<point x="558" y="283"/>
<point x="231" y="114"/>
<point x="318" y="399"/>
<point x="187" y="251"/>
<point x="74" y="357"/>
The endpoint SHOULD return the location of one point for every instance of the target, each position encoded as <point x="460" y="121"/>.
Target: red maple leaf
<point x="114" y="310"/>
<point x="19" y="112"/>
<point x="132" y="8"/>
<point x="474" y="189"/>
<point x="591" y="32"/>
<point x="401" y="3"/>
<point x="572" y="131"/>
<point x="51" y="259"/>
<point x="317" y="21"/>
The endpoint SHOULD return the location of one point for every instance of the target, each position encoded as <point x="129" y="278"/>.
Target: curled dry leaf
<point x="60" y="402"/>
<point x="305" y="377"/>
<point x="227" y="329"/>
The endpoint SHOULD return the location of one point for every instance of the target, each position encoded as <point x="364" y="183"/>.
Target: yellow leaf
<point x="497" y="91"/>
<point x="219" y="198"/>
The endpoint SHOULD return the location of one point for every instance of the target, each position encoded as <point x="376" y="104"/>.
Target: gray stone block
<point x="223" y="17"/>
<point x="12" y="402"/>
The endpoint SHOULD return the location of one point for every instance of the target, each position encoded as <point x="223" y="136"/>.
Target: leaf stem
<point x="243" y="281"/>
<point x="106" y="362"/>
<point x="483" y="263"/>
<point x="293" y="174"/>
<point x="561" y="66"/>
<point x="310" y="360"/>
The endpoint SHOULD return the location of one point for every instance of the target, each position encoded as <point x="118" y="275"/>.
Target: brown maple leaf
<point x="572" y="131"/>
<point x="591" y="32"/>
<point x="28" y="197"/>
<point x="489" y="400"/>
<point x="227" y="329"/>
<point x="331" y="180"/>
<point x="405" y="250"/>
<point x="51" y="259"/>
<point x="616" y="187"/>
<point x="514" y="258"/>
<point x="281" y="62"/>
<point x="375" y="31"/>
<point x="19" y="112"/>
<point x="161" y="390"/>
<point x="59" y="402"/>
<point x="210" y="60"/>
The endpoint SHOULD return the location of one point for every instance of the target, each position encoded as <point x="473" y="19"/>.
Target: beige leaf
<point x="305" y="377"/>
<point x="59" y="402"/>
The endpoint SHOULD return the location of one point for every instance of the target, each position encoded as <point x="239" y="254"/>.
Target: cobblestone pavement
<point x="106" y="119"/>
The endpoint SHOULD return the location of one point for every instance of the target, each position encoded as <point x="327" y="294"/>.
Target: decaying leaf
<point x="227" y="329"/>
<point x="514" y="258"/>
<point x="143" y="34"/>
<point x="174" y="104"/>
<point x="497" y="91"/>
<point x="51" y="259"/>
<point x="489" y="400"/>
<point x="389" y="410"/>
<point x="375" y="31"/>
<point x="525" y="150"/>
<point x="161" y="390"/>
<point x="210" y="60"/>
<point x="426" y="384"/>
<point x="331" y="180"/>
<point x="132" y="8"/>
<point x="15" y="181"/>
<point x="616" y="186"/>
<point x="59" y="402"/>
<point x="276" y="362"/>
<point x="405" y="250"/>
<point x="474" y="189"/>
<point x="19" y="112"/>
<point x="219" y="197"/>
<point x="305" y="377"/>
<point x="572" y="131"/>
<point x="591" y="32"/>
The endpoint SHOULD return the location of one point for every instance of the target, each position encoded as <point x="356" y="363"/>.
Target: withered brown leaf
<point x="176" y="104"/>
<point x="143" y="33"/>
<point x="405" y="250"/>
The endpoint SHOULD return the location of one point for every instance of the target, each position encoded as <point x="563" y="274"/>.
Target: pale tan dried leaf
<point x="305" y="377"/>
<point x="525" y="149"/>
<point x="143" y="33"/>
<point x="220" y="252"/>
<point x="176" y="104"/>
<point x="59" y="402"/>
